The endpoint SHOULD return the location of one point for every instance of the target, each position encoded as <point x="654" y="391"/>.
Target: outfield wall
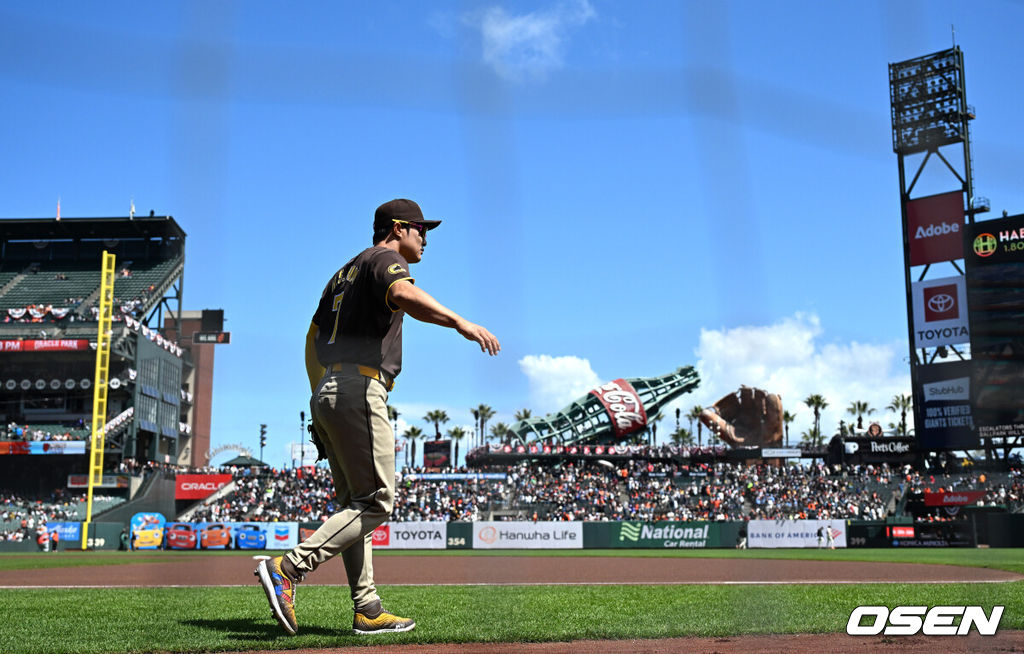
<point x="993" y="530"/>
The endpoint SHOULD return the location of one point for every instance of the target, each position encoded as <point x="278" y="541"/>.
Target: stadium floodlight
<point x="929" y="107"/>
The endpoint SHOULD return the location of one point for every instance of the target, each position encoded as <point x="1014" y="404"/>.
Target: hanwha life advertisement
<point x="794" y="533"/>
<point x="940" y="312"/>
<point x="410" y="535"/>
<point x="527" y="535"/>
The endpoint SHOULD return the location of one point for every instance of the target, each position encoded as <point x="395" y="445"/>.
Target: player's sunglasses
<point x="422" y="229"/>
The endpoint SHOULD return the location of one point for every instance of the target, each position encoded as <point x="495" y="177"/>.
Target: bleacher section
<point x="51" y="283"/>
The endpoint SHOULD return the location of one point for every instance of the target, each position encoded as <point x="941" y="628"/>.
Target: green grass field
<point x="218" y="619"/>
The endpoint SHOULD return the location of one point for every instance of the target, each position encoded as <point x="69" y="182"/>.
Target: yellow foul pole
<point x="99" y="394"/>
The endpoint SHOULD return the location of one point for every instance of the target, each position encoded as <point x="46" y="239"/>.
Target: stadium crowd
<point x="592" y="491"/>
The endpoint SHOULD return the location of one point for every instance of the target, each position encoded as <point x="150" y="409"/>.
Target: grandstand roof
<point x="66" y="228"/>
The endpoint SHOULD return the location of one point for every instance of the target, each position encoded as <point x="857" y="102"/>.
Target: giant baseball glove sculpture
<point x="748" y="417"/>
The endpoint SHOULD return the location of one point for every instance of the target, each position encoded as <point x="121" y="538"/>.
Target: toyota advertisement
<point x="410" y="535"/>
<point x="940" y="312"/>
<point x="198" y="487"/>
<point x="936" y="228"/>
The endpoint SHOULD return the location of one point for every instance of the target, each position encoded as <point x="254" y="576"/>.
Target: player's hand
<point x="478" y="334"/>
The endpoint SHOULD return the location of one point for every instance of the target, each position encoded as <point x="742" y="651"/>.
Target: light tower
<point x="930" y="115"/>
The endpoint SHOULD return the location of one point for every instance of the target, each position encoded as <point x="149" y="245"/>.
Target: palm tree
<point x="901" y="403"/>
<point x="859" y="409"/>
<point x="485" y="413"/>
<point x="682" y="437"/>
<point x="476" y="423"/>
<point x="523" y="414"/>
<point x="810" y="438"/>
<point x="412" y="433"/>
<point x="816" y="403"/>
<point x="393" y="416"/>
<point x="500" y="431"/>
<point x="694" y="414"/>
<point x="677" y="418"/>
<point x="653" y="423"/>
<point x="437" y="417"/>
<point x="456" y="434"/>
<point x="787" y="418"/>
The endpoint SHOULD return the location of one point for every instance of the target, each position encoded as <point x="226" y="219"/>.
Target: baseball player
<point x="353" y="354"/>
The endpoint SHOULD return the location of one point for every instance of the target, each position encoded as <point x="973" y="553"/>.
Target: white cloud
<point x="789" y="358"/>
<point x="528" y="45"/>
<point x="556" y="381"/>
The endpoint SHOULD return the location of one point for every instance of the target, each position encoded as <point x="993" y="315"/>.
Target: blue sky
<point x="625" y="188"/>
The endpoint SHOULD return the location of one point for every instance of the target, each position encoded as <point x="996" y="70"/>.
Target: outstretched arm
<point x="420" y="305"/>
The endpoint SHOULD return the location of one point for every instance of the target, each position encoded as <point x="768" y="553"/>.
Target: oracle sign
<point x="41" y="345"/>
<point x="623" y="405"/>
<point x="198" y="487"/>
<point x="935" y="225"/>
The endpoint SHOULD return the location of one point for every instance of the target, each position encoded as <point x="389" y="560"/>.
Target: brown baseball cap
<point x="400" y="210"/>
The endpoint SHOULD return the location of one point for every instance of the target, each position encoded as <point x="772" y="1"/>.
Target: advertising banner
<point x="42" y="447"/>
<point x="995" y="291"/>
<point x="437" y="454"/>
<point x="282" y="535"/>
<point x="147" y="530"/>
<point x="528" y="535"/>
<point x="940" y="312"/>
<point x="107" y="481"/>
<point x="946" y="410"/>
<point x="793" y="533"/>
<point x="41" y="345"/>
<point x="893" y="450"/>
<point x="68" y="531"/>
<point x="198" y="487"/>
<point x="663" y="535"/>
<point x="623" y="405"/>
<point x="305" y="453"/>
<point x="935" y="225"/>
<point x="781" y="452"/>
<point x="455" y="476"/>
<point x="962" y="498"/>
<point x="410" y="535"/>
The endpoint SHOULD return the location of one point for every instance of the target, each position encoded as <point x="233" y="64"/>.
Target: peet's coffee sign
<point x="862" y="449"/>
<point x="198" y="487"/>
<point x="623" y="405"/>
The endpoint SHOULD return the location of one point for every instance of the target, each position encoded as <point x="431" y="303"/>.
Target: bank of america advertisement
<point x="795" y="533"/>
<point x="940" y="312"/>
<point x="528" y="535"/>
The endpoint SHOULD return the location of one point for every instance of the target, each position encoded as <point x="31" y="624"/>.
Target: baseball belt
<point x="365" y="371"/>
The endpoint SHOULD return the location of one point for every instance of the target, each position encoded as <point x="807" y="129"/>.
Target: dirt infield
<point x="189" y="570"/>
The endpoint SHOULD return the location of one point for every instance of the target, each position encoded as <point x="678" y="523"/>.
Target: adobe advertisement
<point x="935" y="225"/>
<point x="995" y="274"/>
<point x="945" y="389"/>
<point x="940" y="312"/>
